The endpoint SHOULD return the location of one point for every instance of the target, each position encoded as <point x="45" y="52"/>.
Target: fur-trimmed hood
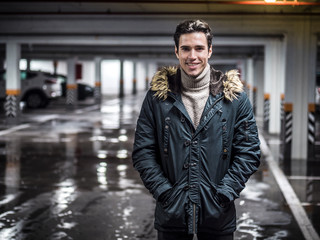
<point x="168" y="79"/>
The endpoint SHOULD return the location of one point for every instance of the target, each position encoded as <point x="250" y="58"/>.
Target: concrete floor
<point x="67" y="174"/>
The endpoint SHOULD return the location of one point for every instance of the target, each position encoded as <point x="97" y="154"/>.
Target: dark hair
<point x="190" y="26"/>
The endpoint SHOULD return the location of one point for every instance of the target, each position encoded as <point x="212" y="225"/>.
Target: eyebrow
<point x="187" y="46"/>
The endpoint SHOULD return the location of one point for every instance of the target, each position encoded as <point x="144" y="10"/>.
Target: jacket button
<point x="187" y="143"/>
<point x="186" y="188"/>
<point x="165" y="150"/>
<point x="182" y="119"/>
<point x="225" y="150"/>
<point x="186" y="165"/>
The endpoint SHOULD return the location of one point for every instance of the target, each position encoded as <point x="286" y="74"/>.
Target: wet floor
<point x="71" y="177"/>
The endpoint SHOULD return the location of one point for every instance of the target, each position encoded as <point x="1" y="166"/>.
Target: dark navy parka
<point x="196" y="174"/>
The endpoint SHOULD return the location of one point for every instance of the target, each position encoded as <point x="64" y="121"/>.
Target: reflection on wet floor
<point x="72" y="178"/>
<point x="262" y="211"/>
<point x="304" y="177"/>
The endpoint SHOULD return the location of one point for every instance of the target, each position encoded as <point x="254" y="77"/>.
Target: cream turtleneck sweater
<point x="195" y="93"/>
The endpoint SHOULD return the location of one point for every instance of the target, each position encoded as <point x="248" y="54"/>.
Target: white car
<point x="37" y="88"/>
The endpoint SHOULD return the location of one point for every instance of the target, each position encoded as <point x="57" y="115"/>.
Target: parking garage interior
<point x="65" y="168"/>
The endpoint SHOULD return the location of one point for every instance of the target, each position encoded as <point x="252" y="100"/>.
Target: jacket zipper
<point x="194" y="218"/>
<point x="194" y="222"/>
<point x="195" y="237"/>
<point x="194" y="205"/>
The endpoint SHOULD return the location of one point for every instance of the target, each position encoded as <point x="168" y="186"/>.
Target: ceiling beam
<point x="133" y="40"/>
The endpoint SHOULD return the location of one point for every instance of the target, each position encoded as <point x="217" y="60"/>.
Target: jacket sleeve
<point x="146" y="150"/>
<point x="245" y="154"/>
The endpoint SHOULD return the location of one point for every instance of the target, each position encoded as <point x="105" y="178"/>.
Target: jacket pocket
<point x="246" y="130"/>
<point x="171" y="212"/>
<point x="215" y="215"/>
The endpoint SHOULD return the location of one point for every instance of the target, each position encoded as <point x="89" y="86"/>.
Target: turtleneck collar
<point x="196" y="82"/>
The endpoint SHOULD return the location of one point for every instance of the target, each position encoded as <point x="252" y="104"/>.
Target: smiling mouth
<point x="192" y="64"/>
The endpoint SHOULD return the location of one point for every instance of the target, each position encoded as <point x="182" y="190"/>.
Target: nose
<point x="192" y="54"/>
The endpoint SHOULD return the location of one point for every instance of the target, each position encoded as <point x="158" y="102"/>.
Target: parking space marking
<point x="293" y="201"/>
<point x="14" y="129"/>
<point x="309" y="178"/>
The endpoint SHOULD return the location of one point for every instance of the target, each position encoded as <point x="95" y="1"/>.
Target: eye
<point x="184" y="49"/>
<point x="200" y="49"/>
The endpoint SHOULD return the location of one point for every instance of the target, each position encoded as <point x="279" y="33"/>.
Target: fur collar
<point x="168" y="79"/>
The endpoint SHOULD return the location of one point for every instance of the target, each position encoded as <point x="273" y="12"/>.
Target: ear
<point x="176" y="52"/>
<point x="210" y="51"/>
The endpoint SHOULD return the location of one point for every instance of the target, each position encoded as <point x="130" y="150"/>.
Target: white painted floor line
<point x="307" y="204"/>
<point x="309" y="178"/>
<point x="45" y="118"/>
<point x="87" y="109"/>
<point x="14" y="129"/>
<point x="294" y="203"/>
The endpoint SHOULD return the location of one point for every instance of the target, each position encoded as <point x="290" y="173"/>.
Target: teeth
<point x="191" y="64"/>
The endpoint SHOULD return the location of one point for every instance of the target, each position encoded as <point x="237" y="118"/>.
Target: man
<point x="196" y="142"/>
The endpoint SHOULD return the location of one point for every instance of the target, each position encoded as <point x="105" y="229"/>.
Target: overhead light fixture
<point x="270" y="2"/>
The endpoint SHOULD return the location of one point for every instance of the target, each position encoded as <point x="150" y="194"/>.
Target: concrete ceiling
<point x="155" y="7"/>
<point x="50" y="20"/>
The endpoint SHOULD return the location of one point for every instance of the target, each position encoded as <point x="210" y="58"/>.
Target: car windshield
<point x="23" y="75"/>
<point x="61" y="79"/>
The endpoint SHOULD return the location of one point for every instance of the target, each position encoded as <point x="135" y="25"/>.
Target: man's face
<point x="193" y="53"/>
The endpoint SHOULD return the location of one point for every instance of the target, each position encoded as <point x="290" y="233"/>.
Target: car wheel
<point x="34" y="100"/>
<point x="45" y="103"/>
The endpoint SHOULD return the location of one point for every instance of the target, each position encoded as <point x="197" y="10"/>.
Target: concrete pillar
<point x="274" y="81"/>
<point x="152" y="69"/>
<point x="72" y="91"/>
<point x="13" y="84"/>
<point x="266" y="111"/>
<point x="311" y="71"/>
<point x="286" y="138"/>
<point x="300" y="77"/>
<point x="249" y="77"/>
<point x="135" y="77"/>
<point x="121" y="80"/>
<point x="97" y="85"/>
<point x="259" y="83"/>
<point x="243" y="72"/>
<point x="147" y="76"/>
<point x="55" y="66"/>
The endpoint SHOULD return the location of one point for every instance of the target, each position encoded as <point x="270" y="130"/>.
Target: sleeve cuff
<point x="163" y="188"/>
